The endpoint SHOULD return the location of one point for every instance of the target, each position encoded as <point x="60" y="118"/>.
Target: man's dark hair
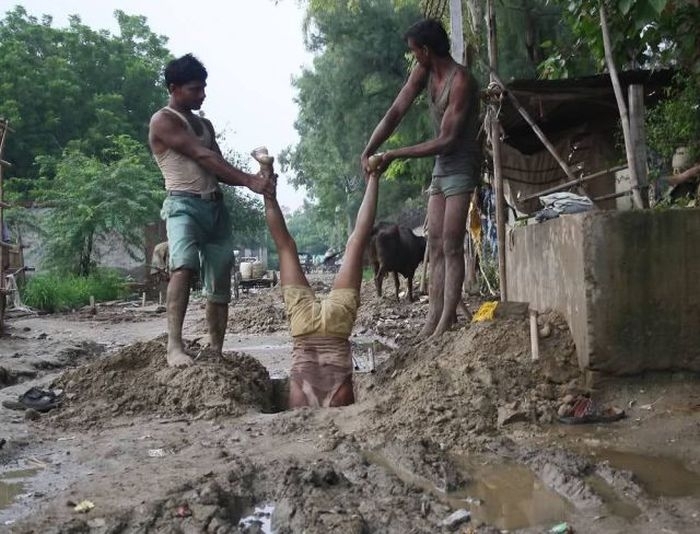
<point x="430" y="33"/>
<point x="184" y="69"/>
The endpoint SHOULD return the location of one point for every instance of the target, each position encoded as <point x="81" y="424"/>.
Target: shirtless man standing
<point x="197" y="222"/>
<point x="321" y="372"/>
<point x="453" y="99"/>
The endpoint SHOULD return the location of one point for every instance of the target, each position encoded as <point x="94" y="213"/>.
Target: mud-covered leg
<point x="177" y="299"/>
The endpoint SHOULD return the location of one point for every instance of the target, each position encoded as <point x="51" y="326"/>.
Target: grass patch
<point x="58" y="292"/>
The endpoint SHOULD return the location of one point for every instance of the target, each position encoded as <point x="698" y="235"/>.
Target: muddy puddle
<point x="505" y="495"/>
<point x="659" y="476"/>
<point x="12" y="484"/>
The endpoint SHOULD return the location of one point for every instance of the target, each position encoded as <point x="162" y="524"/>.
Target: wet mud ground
<point x="466" y="423"/>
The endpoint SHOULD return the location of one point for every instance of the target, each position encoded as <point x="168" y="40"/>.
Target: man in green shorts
<point x="453" y="99"/>
<point x="198" y="226"/>
<point x="321" y="373"/>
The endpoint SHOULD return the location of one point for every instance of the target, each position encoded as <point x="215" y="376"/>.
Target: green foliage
<point x="246" y="211"/>
<point x="75" y="85"/>
<point x="61" y="291"/>
<point x="675" y="122"/>
<point x="646" y="33"/>
<point x="358" y="70"/>
<point x="91" y="198"/>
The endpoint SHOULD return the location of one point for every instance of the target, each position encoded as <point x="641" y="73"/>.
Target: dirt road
<point x="443" y="431"/>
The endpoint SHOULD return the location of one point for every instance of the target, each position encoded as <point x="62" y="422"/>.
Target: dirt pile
<point x="258" y="313"/>
<point x="137" y="380"/>
<point x="473" y="381"/>
<point x="387" y="317"/>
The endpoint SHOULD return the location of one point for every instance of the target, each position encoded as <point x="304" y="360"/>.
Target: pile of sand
<point x="137" y="380"/>
<point x="257" y="313"/>
<point x="473" y="381"/>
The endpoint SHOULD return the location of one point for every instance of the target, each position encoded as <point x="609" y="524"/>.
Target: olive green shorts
<point x="453" y="184"/>
<point x="332" y="316"/>
<point x="199" y="239"/>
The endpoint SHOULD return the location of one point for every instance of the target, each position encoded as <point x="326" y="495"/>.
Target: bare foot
<point x="442" y="327"/>
<point x="427" y="330"/>
<point x="177" y="357"/>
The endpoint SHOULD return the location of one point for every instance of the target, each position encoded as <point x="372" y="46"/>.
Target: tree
<point x="359" y="67"/>
<point x="90" y="198"/>
<point x="647" y="33"/>
<point x="75" y="85"/>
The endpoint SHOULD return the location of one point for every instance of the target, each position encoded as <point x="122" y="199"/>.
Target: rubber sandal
<point x="41" y="400"/>
<point x="585" y="411"/>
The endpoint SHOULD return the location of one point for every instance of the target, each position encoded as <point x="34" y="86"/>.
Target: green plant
<point x="60" y="291"/>
<point x="675" y="121"/>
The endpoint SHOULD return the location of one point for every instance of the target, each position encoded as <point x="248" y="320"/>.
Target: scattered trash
<point x="69" y="438"/>
<point x="561" y="528"/>
<point x="485" y="312"/>
<point x="35" y="398"/>
<point x="183" y="511"/>
<point x="83" y="507"/>
<point x="156" y="453"/>
<point x="456" y="518"/>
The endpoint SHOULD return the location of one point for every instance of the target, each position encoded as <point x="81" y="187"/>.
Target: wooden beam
<point x="495" y="129"/>
<point x="577" y="181"/>
<point x="624" y="117"/>
<point x="5" y="163"/>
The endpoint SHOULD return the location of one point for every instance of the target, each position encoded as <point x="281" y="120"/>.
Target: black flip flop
<point x="41" y="400"/>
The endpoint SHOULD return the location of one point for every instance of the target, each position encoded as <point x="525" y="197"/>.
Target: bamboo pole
<point x="496" y="147"/>
<point x="3" y="249"/>
<point x="577" y="181"/>
<point x="624" y="117"/>
<point x="456" y="31"/>
<point x="635" y="97"/>
<point x="538" y="131"/>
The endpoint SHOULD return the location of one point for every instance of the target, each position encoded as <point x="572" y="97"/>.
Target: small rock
<point x="507" y="416"/>
<point x="32" y="415"/>
<point x="563" y="410"/>
<point x="457" y="518"/>
<point x="545" y="331"/>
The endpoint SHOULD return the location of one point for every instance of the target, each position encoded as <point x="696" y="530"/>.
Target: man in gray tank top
<point x="453" y="99"/>
<point x="199" y="229"/>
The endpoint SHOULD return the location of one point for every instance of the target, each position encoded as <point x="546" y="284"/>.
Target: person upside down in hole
<point x="321" y="374"/>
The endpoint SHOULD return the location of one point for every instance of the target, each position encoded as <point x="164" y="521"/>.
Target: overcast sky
<point x="251" y="48"/>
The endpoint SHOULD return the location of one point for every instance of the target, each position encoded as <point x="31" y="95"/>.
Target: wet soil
<point x="467" y="423"/>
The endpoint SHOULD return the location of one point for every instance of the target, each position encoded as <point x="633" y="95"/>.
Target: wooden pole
<point x="496" y="148"/>
<point x="456" y="31"/>
<point x="635" y="97"/>
<point x="535" y="128"/>
<point x="577" y="181"/>
<point x="426" y="255"/>
<point x="624" y="118"/>
<point x="3" y="251"/>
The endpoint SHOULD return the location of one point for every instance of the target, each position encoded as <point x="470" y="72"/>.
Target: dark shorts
<point x="199" y="238"/>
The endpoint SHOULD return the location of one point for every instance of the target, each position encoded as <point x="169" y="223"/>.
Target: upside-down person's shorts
<point x="199" y="238"/>
<point x="332" y="316"/>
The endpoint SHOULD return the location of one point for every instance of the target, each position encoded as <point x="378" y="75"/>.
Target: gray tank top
<point x="182" y="173"/>
<point x="466" y="155"/>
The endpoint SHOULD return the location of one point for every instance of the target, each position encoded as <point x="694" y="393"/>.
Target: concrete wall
<point x="627" y="282"/>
